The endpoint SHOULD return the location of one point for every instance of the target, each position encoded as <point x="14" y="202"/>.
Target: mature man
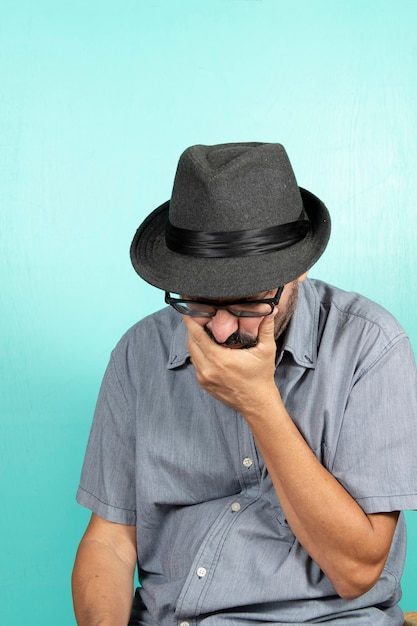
<point x="260" y="485"/>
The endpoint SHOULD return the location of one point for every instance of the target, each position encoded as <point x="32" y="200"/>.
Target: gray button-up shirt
<point x="214" y="547"/>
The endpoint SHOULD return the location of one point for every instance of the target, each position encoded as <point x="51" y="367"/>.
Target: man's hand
<point x="237" y="377"/>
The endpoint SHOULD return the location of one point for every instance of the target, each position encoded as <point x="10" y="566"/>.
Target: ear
<point x="302" y="278"/>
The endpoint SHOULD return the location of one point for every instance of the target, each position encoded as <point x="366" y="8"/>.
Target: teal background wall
<point x="97" y="100"/>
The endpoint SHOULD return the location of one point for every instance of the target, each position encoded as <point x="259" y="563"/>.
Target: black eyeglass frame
<point x="175" y="302"/>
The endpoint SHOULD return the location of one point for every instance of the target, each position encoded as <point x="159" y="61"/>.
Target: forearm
<point x="326" y="520"/>
<point x="102" y="586"/>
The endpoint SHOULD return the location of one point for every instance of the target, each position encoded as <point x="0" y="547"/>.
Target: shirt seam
<point x="350" y="313"/>
<point x="111" y="506"/>
<point x="388" y="495"/>
<point x="113" y="361"/>
<point x="395" y="341"/>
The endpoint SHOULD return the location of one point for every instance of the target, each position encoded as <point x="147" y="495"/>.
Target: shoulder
<point x="161" y="324"/>
<point x="356" y="311"/>
<point x="148" y="341"/>
<point x="351" y="329"/>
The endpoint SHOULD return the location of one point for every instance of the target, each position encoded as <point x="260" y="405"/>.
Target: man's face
<point x="242" y="332"/>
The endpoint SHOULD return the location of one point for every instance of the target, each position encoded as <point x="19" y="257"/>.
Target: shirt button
<point x="247" y="462"/>
<point x="235" y="506"/>
<point x="201" y="572"/>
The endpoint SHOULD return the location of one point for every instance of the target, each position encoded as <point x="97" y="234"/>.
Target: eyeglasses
<point x="239" y="308"/>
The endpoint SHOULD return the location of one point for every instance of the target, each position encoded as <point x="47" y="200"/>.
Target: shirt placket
<point x="203" y="569"/>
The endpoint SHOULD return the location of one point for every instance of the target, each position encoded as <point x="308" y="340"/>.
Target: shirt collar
<point x="300" y="339"/>
<point x="178" y="353"/>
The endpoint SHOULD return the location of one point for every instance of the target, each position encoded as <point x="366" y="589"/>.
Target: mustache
<point x="236" y="340"/>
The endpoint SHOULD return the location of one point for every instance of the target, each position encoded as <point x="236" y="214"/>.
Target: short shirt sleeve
<point x="376" y="456"/>
<point x="107" y="485"/>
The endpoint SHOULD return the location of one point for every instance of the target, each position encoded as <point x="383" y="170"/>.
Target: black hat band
<point x="235" y="243"/>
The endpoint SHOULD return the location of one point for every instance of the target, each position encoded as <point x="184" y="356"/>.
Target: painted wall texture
<point x="97" y="100"/>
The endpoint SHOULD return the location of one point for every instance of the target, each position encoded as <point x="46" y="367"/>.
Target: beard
<point x="282" y="318"/>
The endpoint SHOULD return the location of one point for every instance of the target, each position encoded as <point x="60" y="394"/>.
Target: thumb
<point x="266" y="331"/>
<point x="195" y="331"/>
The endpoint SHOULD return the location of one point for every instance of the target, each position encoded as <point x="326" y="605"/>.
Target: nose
<point x="223" y="324"/>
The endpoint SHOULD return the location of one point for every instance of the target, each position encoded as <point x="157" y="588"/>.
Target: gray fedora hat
<point x="237" y="224"/>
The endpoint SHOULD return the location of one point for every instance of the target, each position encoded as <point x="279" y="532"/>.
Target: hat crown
<point x="235" y="186"/>
<point x="237" y="224"/>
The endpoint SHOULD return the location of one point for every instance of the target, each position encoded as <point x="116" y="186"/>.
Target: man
<point x="251" y="443"/>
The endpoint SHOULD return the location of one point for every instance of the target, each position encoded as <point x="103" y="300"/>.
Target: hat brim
<point x="230" y="277"/>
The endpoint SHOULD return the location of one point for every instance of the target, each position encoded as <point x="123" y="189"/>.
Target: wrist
<point x="264" y="403"/>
